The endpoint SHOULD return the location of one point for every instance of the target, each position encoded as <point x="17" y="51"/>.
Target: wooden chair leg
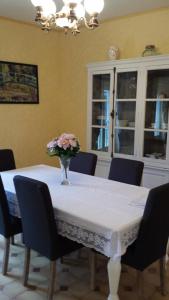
<point x="140" y="285"/>
<point x="52" y="279"/>
<point x="79" y="253"/>
<point x="93" y="270"/>
<point x="26" y="266"/>
<point x="6" y="256"/>
<point x="162" y="264"/>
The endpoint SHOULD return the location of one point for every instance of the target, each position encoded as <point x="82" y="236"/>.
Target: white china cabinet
<point x="128" y="112"/>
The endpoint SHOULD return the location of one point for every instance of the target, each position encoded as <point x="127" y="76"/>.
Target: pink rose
<point x="63" y="143"/>
<point x="73" y="143"/>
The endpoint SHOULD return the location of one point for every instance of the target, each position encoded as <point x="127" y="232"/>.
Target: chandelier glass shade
<point x="71" y="16"/>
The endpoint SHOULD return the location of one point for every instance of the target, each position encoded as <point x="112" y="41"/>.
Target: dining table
<point x="99" y="213"/>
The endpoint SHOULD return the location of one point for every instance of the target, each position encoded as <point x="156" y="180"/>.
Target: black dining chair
<point x="9" y="226"/>
<point x="7" y="163"/>
<point x="84" y="162"/>
<point x="39" y="226"/>
<point x="151" y="243"/>
<point x="7" y="160"/>
<point x="126" y="170"/>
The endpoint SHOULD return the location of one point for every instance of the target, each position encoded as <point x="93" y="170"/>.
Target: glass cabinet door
<point x="125" y="112"/>
<point x="100" y="112"/>
<point x="156" y="114"/>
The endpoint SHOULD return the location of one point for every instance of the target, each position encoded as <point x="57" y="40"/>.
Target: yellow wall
<point x="27" y="128"/>
<point x="62" y="64"/>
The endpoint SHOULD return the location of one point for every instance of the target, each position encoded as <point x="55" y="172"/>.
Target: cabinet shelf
<point x="157" y="99"/>
<point x="125" y="100"/>
<point x="99" y="100"/>
<point x="99" y="126"/>
<point x="124" y="128"/>
<point x="153" y="129"/>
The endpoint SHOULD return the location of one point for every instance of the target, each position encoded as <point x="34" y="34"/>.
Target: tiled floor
<point x="72" y="281"/>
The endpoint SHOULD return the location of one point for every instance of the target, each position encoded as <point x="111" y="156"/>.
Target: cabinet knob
<point x="112" y="114"/>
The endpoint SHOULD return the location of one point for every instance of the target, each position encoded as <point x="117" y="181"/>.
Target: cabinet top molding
<point x="108" y="64"/>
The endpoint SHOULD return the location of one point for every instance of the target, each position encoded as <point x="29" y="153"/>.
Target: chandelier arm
<point x="92" y="23"/>
<point x="87" y="24"/>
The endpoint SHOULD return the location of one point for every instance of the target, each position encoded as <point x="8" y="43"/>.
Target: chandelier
<point x="70" y="17"/>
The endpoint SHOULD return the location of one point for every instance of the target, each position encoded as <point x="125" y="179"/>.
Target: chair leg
<point x="22" y="238"/>
<point x="6" y="256"/>
<point x="79" y="253"/>
<point x="140" y="284"/>
<point x="93" y="270"/>
<point x="26" y="266"/>
<point x="162" y="263"/>
<point x="52" y="279"/>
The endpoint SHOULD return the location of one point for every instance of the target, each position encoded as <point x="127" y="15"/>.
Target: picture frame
<point x="18" y="83"/>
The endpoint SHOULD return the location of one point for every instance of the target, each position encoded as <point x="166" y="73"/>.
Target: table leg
<point x="114" y="270"/>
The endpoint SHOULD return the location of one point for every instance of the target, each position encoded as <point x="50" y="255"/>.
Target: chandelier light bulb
<point x="67" y="2"/>
<point x="37" y="2"/>
<point x="94" y="6"/>
<point x="65" y="10"/>
<point x="79" y="11"/>
<point x="63" y="23"/>
<point x="48" y="8"/>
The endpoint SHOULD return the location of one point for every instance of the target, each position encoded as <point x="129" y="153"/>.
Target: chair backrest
<point x="84" y="162"/>
<point x="38" y="222"/>
<point x="5" y="224"/>
<point x="153" y="235"/>
<point x="7" y="161"/>
<point x="126" y="170"/>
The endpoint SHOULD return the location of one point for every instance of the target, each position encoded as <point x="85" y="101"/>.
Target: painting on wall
<point x="18" y="83"/>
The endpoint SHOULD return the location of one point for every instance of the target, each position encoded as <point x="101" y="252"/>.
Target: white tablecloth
<point x="99" y="213"/>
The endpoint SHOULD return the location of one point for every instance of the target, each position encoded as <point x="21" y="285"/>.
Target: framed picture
<point x="18" y="83"/>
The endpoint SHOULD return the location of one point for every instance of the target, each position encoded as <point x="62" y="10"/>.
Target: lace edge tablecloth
<point x="109" y="244"/>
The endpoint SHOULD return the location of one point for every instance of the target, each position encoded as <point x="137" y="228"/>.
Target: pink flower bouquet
<point x="66" y="145"/>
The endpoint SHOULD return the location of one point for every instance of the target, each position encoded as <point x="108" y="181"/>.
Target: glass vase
<point x="64" y="164"/>
<point x="149" y="50"/>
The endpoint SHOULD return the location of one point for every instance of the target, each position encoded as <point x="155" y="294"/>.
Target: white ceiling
<point x="23" y="10"/>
